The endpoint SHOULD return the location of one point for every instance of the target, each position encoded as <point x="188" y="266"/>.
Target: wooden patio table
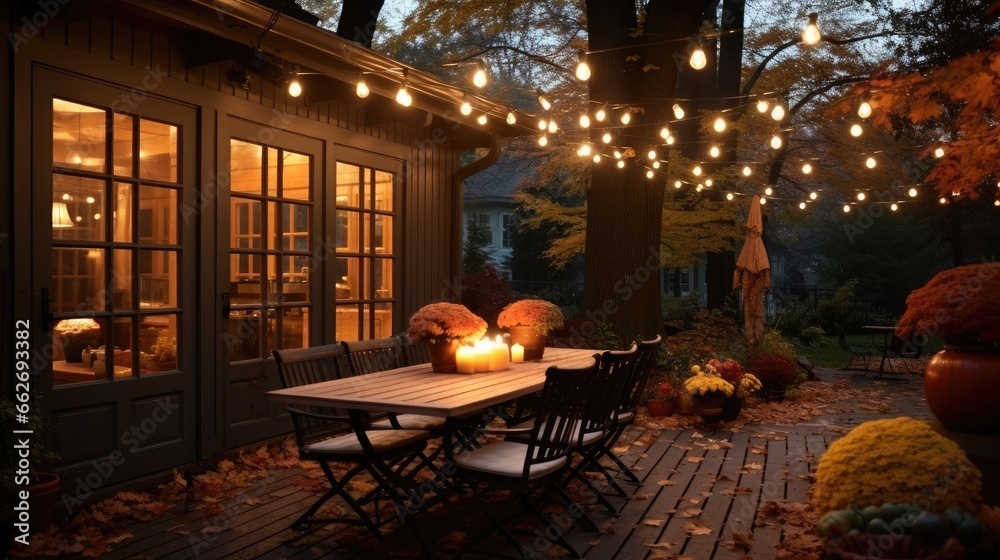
<point x="418" y="390"/>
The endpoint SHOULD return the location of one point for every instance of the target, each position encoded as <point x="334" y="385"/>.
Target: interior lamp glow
<point x="60" y="215"/>
<point x="479" y="79"/>
<point x="763" y="106"/>
<point x="678" y="111"/>
<point x="719" y="125"/>
<point x="294" y="87"/>
<point x="698" y="59"/>
<point x="778" y="112"/>
<point x="362" y="88"/>
<point x="865" y="110"/>
<point x="811" y="34"/>
<point x="582" y="68"/>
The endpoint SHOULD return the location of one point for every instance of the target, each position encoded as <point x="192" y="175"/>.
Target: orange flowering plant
<point x="538" y="313"/>
<point x="443" y="322"/>
<point x="961" y="304"/>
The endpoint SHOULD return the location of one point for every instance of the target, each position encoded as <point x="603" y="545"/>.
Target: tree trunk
<point x="624" y="208"/>
<point x="358" y="20"/>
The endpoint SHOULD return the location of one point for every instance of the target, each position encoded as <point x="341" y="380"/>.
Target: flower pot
<point x="528" y="337"/>
<point x="731" y="408"/>
<point x="443" y="356"/>
<point x="961" y="384"/>
<point x="660" y="408"/>
<point x="685" y="403"/>
<point x="710" y="405"/>
<point x="42" y="501"/>
<point x="73" y="345"/>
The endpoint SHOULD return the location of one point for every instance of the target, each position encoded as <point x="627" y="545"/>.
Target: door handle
<point x="226" y="305"/>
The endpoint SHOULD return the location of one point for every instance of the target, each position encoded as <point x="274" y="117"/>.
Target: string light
<point x="847" y="208"/>
<point x="626" y="117"/>
<point x="481" y="119"/>
<point x="546" y="105"/>
<point x="939" y="153"/>
<point x="677" y="184"/>
<point x="466" y="108"/>
<point x="600" y="115"/>
<point x="811" y="34"/>
<point x="813" y="195"/>
<point x="582" y="68"/>
<point x="678" y="111"/>
<point x="943" y="200"/>
<point x="621" y="164"/>
<point x="996" y="202"/>
<point x="670" y="140"/>
<point x="617" y="154"/>
<point x="585" y="150"/>
<point x="720" y="124"/>
<point x="511" y="118"/>
<point x="802" y="206"/>
<point x="651" y="155"/>
<point x="807" y="168"/>
<point x="597" y="158"/>
<point x="696" y="171"/>
<point x="912" y="193"/>
<point x="656" y="165"/>
<point x="606" y="138"/>
<point x="361" y="89"/>
<point x="294" y="87"/>
<point x="649" y="174"/>
<point x="403" y="96"/>
<point x="768" y="190"/>
<point x="543" y="124"/>
<point x="763" y="106"/>
<point x="543" y="141"/>
<point x="747" y="171"/>
<point x="664" y="133"/>
<point x="894" y="207"/>
<point x="856" y="130"/>
<point x="729" y="196"/>
<point x="865" y="110"/>
<point x="709" y="182"/>
<point x="479" y="79"/>
<point x="870" y="163"/>
<point x="714" y="151"/>
<point x="699" y="188"/>
<point x="778" y="112"/>
<point x="776" y="142"/>
<point x="584" y="121"/>
<point x="698" y="59"/>
<point x="763" y="201"/>
<point x="553" y="127"/>
<point x="861" y="196"/>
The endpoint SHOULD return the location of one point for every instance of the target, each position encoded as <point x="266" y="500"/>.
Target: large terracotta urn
<point x="962" y="384"/>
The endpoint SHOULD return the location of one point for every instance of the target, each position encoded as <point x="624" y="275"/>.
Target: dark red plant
<point x="775" y="372"/>
<point x="486" y="293"/>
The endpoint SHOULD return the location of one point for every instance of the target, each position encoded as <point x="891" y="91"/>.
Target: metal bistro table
<point x="418" y="390"/>
<point x="887" y="332"/>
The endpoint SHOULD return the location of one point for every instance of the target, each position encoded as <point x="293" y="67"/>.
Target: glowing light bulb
<point x="621" y="164"/>
<point x="597" y="158"/>
<point x="714" y="151"/>
<point x="66" y="196"/>
<point x="403" y="97"/>
<point x="870" y="163"/>
<point x="582" y="68"/>
<point x="90" y="200"/>
<point x="652" y="154"/>
<point x="585" y="150"/>
<point x="996" y="202"/>
<point x="802" y="206"/>
<point x="656" y="165"/>
<point x="479" y="78"/>
<point x="543" y="124"/>
<point x="856" y="130"/>
<point x="664" y="133"/>
<point x="768" y="190"/>
<point x="543" y="141"/>
<point x="294" y="87"/>
<point x="677" y="184"/>
<point x="698" y="59"/>
<point x="747" y="171"/>
<point x="606" y="138"/>
<point x="729" y="196"/>
<point x="600" y="115"/>
<point x="584" y="121"/>
<point x="699" y="188"/>
<point x="778" y="112"/>
<point x="719" y="125"/>
<point x="763" y="106"/>
<point x="763" y="201"/>
<point x="696" y="171"/>
<point x="776" y="142"/>
<point x="943" y="200"/>
<point x="361" y="89"/>
<point x="912" y="193"/>
<point x="553" y="127"/>
<point x="939" y="153"/>
<point x="847" y="208"/>
<point x="511" y="118"/>
<point x="865" y="110"/>
<point x="649" y="174"/>
<point x="861" y="196"/>
<point x="894" y="207"/>
<point x="545" y="103"/>
<point x="813" y="196"/>
<point x="709" y="182"/>
<point x="811" y="34"/>
<point x="481" y="119"/>
<point x="678" y="111"/>
<point x="670" y="140"/>
<point x="97" y="216"/>
<point x="807" y="169"/>
<point x="626" y="117"/>
<point x="617" y="154"/>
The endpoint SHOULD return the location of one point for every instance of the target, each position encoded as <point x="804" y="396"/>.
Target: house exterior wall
<point x="495" y="212"/>
<point x="221" y="406"/>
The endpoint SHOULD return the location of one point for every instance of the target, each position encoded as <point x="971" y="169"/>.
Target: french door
<point x="113" y="255"/>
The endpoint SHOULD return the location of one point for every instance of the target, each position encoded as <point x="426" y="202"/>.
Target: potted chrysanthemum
<point x="529" y="321"/>
<point x="443" y="327"/>
<point x="709" y="390"/>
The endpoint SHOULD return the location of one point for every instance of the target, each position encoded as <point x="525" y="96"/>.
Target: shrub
<point x="773" y="344"/>
<point x="486" y="293"/>
<point x="680" y="309"/>
<point x="776" y="373"/>
<point x="713" y="334"/>
<point x="898" y="460"/>
<point x="835" y="309"/>
<point x="812" y="336"/>
<point x="795" y="318"/>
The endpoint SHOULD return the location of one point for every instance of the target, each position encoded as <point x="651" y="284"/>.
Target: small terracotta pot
<point x="528" y="337"/>
<point x="660" y="408"/>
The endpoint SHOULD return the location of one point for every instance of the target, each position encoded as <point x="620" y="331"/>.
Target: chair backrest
<point x="304" y="366"/>
<point x="635" y="383"/>
<point x="615" y="369"/>
<point x="841" y="337"/>
<point x="414" y="352"/>
<point x="561" y="408"/>
<point x="380" y="354"/>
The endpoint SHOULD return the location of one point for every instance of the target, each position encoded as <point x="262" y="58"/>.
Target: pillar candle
<point x="482" y="356"/>
<point x="465" y="359"/>
<point x="517" y="353"/>
<point x="499" y="356"/>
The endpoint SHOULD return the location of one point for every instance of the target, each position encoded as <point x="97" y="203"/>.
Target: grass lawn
<point x="831" y="355"/>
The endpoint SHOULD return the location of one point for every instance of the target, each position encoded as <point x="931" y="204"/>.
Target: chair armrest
<point x="505" y="431"/>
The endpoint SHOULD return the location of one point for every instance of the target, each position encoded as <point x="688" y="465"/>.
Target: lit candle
<point x="482" y="356"/>
<point x="465" y="359"/>
<point x="517" y="353"/>
<point x="499" y="356"/>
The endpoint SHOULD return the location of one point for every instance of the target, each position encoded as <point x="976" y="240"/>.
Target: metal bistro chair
<point x="903" y="349"/>
<point x="324" y="435"/>
<point x="856" y="351"/>
<point x="524" y="467"/>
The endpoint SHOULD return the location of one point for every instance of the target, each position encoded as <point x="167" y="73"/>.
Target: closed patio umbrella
<point x="753" y="275"/>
